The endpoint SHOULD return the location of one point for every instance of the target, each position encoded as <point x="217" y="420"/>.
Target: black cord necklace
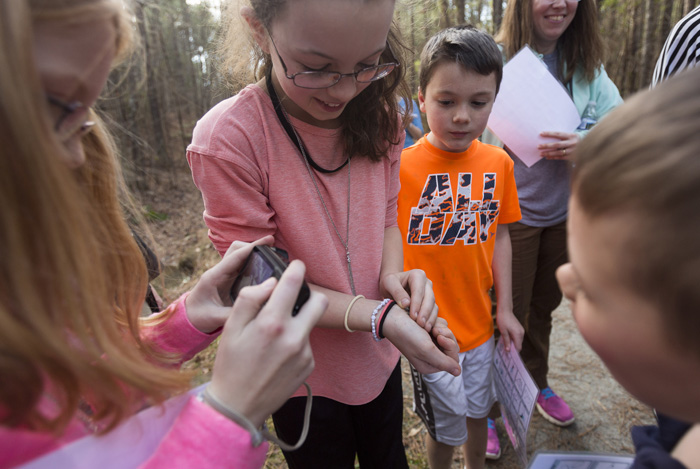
<point x="290" y="130"/>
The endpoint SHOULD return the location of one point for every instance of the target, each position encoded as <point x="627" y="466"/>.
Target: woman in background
<point x="566" y="36"/>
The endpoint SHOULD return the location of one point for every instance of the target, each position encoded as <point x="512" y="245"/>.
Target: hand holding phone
<point x="262" y="263"/>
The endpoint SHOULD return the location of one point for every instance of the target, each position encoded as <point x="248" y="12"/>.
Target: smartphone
<point x="262" y="263"/>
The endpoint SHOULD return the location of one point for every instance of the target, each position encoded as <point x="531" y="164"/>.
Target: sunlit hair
<point x="72" y="279"/>
<point x="581" y="44"/>
<point x="643" y="162"/>
<point x="370" y="123"/>
<point x="470" y="48"/>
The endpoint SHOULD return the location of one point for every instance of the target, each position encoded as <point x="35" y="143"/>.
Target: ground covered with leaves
<point x="604" y="411"/>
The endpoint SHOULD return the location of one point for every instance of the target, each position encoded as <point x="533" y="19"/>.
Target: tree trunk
<point x="635" y="57"/>
<point x="666" y="24"/>
<point x="187" y="25"/>
<point x="445" y="14"/>
<point x="460" y="11"/>
<point x="497" y="15"/>
<point x="158" y="142"/>
<point x="476" y="12"/>
<point x="414" y="50"/>
<point x="651" y="12"/>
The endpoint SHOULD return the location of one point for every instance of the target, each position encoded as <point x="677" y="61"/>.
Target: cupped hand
<point x="412" y="289"/>
<point x="264" y="353"/>
<point x="419" y="347"/>
<point x="511" y="330"/>
<point x="209" y="302"/>
<point x="445" y="339"/>
<point x="562" y="148"/>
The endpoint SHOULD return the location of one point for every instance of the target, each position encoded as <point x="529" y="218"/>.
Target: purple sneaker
<point x="553" y="408"/>
<point x="493" y="446"/>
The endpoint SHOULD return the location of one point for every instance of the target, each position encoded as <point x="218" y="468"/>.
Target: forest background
<point x="153" y="103"/>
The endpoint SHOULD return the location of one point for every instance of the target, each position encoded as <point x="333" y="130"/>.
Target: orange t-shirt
<point x="449" y="207"/>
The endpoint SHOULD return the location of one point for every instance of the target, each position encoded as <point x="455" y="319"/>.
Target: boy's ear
<point x="421" y="101"/>
<point x="256" y="28"/>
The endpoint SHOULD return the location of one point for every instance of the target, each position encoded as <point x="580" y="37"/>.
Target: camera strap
<point x="258" y="435"/>
<point x="293" y="136"/>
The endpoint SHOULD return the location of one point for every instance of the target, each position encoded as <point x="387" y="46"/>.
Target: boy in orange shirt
<point x="455" y="193"/>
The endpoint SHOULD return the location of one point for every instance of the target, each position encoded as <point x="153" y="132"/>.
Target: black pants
<point x="339" y="431"/>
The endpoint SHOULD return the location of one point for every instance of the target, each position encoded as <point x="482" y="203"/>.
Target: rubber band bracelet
<point x="258" y="435"/>
<point x="347" y="312"/>
<point x="385" y="313"/>
<point x="373" y="320"/>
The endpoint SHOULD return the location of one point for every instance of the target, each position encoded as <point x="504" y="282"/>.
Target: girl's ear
<point x="256" y="27"/>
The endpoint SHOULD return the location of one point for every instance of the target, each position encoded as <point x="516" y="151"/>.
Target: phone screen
<point x="259" y="270"/>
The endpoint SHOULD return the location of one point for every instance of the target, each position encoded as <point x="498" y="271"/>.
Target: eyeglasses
<point x="318" y="79"/>
<point x="75" y="117"/>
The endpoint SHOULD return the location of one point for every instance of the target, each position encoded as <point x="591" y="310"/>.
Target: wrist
<point x="391" y="321"/>
<point x="254" y="428"/>
<point x="503" y="312"/>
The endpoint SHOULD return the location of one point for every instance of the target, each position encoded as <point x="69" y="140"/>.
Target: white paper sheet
<point x="517" y="394"/>
<point x="530" y="101"/>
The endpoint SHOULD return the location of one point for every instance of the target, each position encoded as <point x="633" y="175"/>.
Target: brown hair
<point x="72" y="278"/>
<point x="370" y="123"/>
<point x="472" y="49"/>
<point x="644" y="161"/>
<point x="581" y="44"/>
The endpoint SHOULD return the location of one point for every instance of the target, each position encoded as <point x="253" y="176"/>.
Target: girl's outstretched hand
<point x="412" y="289"/>
<point x="209" y="303"/>
<point x="428" y="353"/>
<point x="264" y="353"/>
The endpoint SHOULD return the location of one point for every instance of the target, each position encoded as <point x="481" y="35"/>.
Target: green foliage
<point x="151" y="215"/>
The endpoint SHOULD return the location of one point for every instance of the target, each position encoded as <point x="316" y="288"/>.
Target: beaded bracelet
<point x="347" y="312"/>
<point x="385" y="313"/>
<point x="376" y="311"/>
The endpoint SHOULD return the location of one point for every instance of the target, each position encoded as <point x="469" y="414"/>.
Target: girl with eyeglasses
<point x="76" y="359"/>
<point x="566" y="36"/>
<point x="310" y="155"/>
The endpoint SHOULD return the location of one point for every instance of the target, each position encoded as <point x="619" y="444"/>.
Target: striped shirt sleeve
<point x="681" y="50"/>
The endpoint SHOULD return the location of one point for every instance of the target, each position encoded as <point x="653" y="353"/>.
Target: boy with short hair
<point x="457" y="197"/>
<point x="634" y="251"/>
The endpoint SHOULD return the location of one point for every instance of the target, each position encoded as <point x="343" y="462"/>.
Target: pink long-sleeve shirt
<point x="254" y="182"/>
<point x="199" y="436"/>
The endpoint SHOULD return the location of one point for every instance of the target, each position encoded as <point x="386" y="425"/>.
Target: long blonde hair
<point x="72" y="278"/>
<point x="581" y="45"/>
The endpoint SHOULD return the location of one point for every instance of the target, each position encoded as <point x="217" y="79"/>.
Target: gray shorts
<point x="444" y="401"/>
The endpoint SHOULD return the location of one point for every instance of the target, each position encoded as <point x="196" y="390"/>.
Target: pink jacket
<point x="199" y="436"/>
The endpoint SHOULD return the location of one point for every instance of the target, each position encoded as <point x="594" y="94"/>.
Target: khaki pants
<point x="537" y="253"/>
